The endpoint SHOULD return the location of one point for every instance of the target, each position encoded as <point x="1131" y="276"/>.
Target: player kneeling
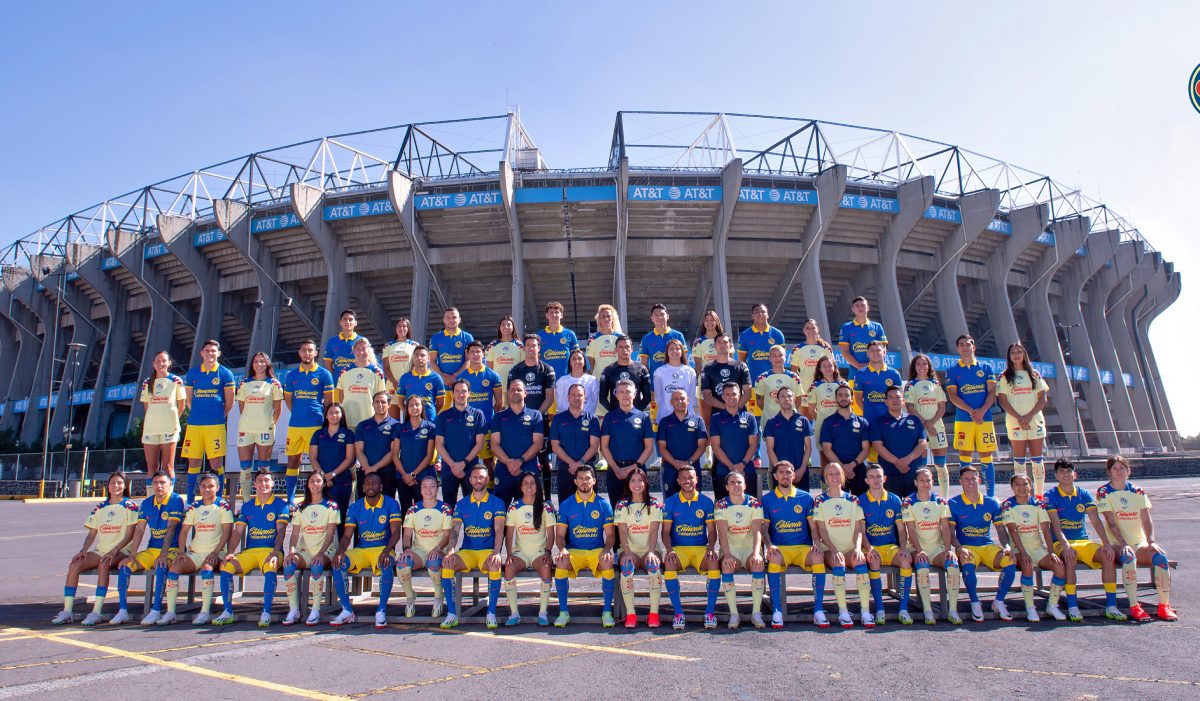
<point x="1126" y="510"/>
<point x="927" y="519"/>
<point x="639" y="520"/>
<point x="210" y="521"/>
<point x="314" y="540"/>
<point x="839" y="520"/>
<point x="1029" y="525"/>
<point x="426" y="535"/>
<point x="739" y="530"/>
<point x="790" y="537"/>
<point x="377" y="519"/>
<point x="110" y="528"/>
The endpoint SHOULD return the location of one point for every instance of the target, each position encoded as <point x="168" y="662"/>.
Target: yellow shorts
<point x="486" y="453"/>
<point x="753" y="407"/>
<point x="585" y="560"/>
<point x="1087" y="552"/>
<point x="985" y="555"/>
<point x="298" y="438"/>
<point x="245" y="439"/>
<point x="937" y="438"/>
<point x="887" y="554"/>
<point x="145" y="559"/>
<point x="159" y="438"/>
<point x="691" y="556"/>
<point x="198" y="558"/>
<point x="253" y="559"/>
<point x="474" y="559"/>
<point x="970" y="436"/>
<point x="364" y="559"/>
<point x="1036" y="430"/>
<point x="200" y="440"/>
<point x="795" y="555"/>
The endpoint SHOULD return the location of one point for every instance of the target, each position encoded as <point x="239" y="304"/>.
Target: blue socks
<point x="270" y="582"/>
<point x="448" y="590"/>
<point x="290" y="481"/>
<point x="493" y="592"/>
<point x="969" y="579"/>
<point x="227" y="591"/>
<point x="609" y="584"/>
<point x="906" y="578"/>
<point x="386" y="578"/>
<point x="714" y="588"/>
<point x="563" y="586"/>
<point x="123" y="586"/>
<point x="339" y="583"/>
<point x="774" y="584"/>
<point x="818" y="580"/>
<point x="1007" y="575"/>
<point x="192" y="477"/>
<point x="160" y="583"/>
<point x="877" y="590"/>
<point x="673" y="592"/>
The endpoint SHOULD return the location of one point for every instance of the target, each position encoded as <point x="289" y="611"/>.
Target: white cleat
<point x="381" y="619"/>
<point x="1053" y="612"/>
<point x="868" y="620"/>
<point x="292" y="617"/>
<point x="1074" y="614"/>
<point x="264" y="621"/>
<point x="168" y="619"/>
<point x="314" y="617"/>
<point x="757" y="619"/>
<point x="151" y="618"/>
<point x="1115" y="613"/>
<point x="846" y="620"/>
<point x="777" y="619"/>
<point x="903" y="617"/>
<point x="63" y="618"/>
<point x="1001" y="610"/>
<point x="343" y="618"/>
<point x="93" y="618"/>
<point x="451" y="621"/>
<point x="976" y="611"/>
<point x="121" y="617"/>
<point x="1032" y="615"/>
<point x="734" y="621"/>
<point x="819" y="620"/>
<point x="437" y="608"/>
<point x="954" y="618"/>
<point x="656" y="462"/>
<point x="226" y="618"/>
<point x="410" y="608"/>
<point x="490" y="621"/>
<point x="202" y="619"/>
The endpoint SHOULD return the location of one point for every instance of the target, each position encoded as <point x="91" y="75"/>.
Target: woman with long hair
<point x="840" y="525"/>
<point x="925" y="399"/>
<point x="331" y="451"/>
<point x="416" y="451"/>
<point x="359" y="383"/>
<point x="1022" y="394"/>
<point x="260" y="401"/>
<point x="1028" y="526"/>
<point x="164" y="397"/>
<point x="822" y="399"/>
<point x="601" y="347"/>
<point x="704" y="351"/>
<point x="397" y="360"/>
<point x="314" y="541"/>
<point x="672" y="375"/>
<point x="109" y="530"/>
<point x="506" y="351"/>
<point x="639" y="517"/>
<point x="804" y="356"/>
<point x="577" y="363"/>
<point x="530" y="535"/>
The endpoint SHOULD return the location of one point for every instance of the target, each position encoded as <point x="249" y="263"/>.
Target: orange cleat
<point x="1167" y="613"/>
<point x="652" y="621"/>
<point x="1137" y="613"/>
<point x="631" y="621"/>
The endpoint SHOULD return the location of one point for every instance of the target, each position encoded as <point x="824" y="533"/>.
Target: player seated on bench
<point x="109" y="530"/>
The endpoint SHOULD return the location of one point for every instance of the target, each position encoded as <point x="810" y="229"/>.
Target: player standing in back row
<point x="856" y="334"/>
<point x="754" y="348"/>
<point x="209" y="397"/>
<point x="971" y="387"/>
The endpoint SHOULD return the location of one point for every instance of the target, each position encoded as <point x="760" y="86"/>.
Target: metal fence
<point x="75" y="465"/>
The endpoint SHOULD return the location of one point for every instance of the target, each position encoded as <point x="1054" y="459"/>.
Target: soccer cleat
<point x="314" y="617"/>
<point x="1074" y="614"/>
<point x="1032" y="615"/>
<point x="151" y="618"/>
<point x="880" y="617"/>
<point x="1053" y="612"/>
<point x="1167" y="613"/>
<point x="513" y="620"/>
<point x="490" y="621"/>
<point x="1115" y="613"/>
<point x="381" y="619"/>
<point x="346" y="616"/>
<point x="679" y="622"/>
<point x="868" y="620"/>
<point x="1001" y="610"/>
<point x="292" y="617"/>
<point x="543" y="620"/>
<point x="202" y="619"/>
<point x="606" y="619"/>
<point x="63" y="618"/>
<point x="710" y="621"/>
<point x="410" y="608"/>
<point x="1137" y="613"/>
<point x="655" y="462"/>
<point x="954" y="618"/>
<point x="734" y="621"/>
<point x="563" y="619"/>
<point x="631" y="621"/>
<point x="450" y="622"/>
<point x="264" y="621"/>
<point x="903" y="617"/>
<point x="847" y="620"/>
<point x="121" y="617"/>
<point x="819" y="620"/>
<point x="226" y="618"/>
<point x="92" y="619"/>
<point x="652" y="621"/>
<point x="930" y="618"/>
<point x="757" y="619"/>
<point x="437" y="608"/>
<point x="976" y="611"/>
<point x="168" y="619"/>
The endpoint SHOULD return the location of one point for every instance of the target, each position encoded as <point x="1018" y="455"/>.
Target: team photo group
<point x="439" y="457"/>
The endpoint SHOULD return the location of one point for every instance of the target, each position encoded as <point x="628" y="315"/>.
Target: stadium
<point x="696" y="211"/>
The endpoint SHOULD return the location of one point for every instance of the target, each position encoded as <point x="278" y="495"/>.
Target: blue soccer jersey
<point x="158" y="517"/>
<point x="208" y="394"/>
<point x="1072" y="510"/>
<point x="754" y="348"/>
<point x="451" y="349"/>
<point x="653" y="353"/>
<point x="787" y="516"/>
<point x="972" y="521"/>
<point x="307" y="389"/>
<point x="855" y="337"/>
<point x="972" y="383"/>
<point x="340" y="351"/>
<point x="478" y="519"/>
<point x="557" y="347"/>
<point x="262" y="520"/>
<point x="483" y="386"/>
<point x="687" y="520"/>
<point x="373" y="524"/>
<point x="874" y="384"/>
<point x="882" y="517"/>
<point x="585" y="520"/>
<point x="427" y="386"/>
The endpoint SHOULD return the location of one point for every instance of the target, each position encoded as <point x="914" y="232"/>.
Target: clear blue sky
<point x="99" y="101"/>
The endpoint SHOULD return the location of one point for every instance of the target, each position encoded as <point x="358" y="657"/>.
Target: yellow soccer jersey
<point x="259" y="397"/>
<point x="927" y="517"/>
<point x="639" y="519"/>
<point x="312" y="522"/>
<point x="429" y="525"/>
<point x="822" y="397"/>
<point x="503" y="355"/>
<point x="841" y="517"/>
<point x="924" y="395"/>
<point x="739" y="518"/>
<point x="110" y="521"/>
<point x="162" y="413"/>
<point x="769" y="384"/>
<point x="602" y="349"/>
<point x="207" y="522"/>
<point x="398" y="357"/>
<point x="1028" y="518"/>
<point x="805" y="357"/>
<point x="527" y="538"/>
<point x="1023" y="393"/>
<point x="704" y="351"/>
<point x="1126" y="504"/>
<point x="356" y="386"/>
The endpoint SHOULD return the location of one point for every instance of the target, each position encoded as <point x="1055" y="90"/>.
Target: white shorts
<point x="740" y="553"/>
<point x="160" y="438"/>
<point x="198" y="558"/>
<point x="245" y="439"/>
<point x="530" y="556"/>
<point x="1036" y="430"/>
<point x="937" y="437"/>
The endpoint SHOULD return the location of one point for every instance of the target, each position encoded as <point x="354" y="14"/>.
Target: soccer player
<point x="838" y="517"/>
<point x="625" y="369"/>
<point x="675" y="374"/>
<point x="263" y="522"/>
<point x="575" y="440"/>
<point x="689" y="537"/>
<point x="416" y="435"/>
<point x="260" y="401"/>
<point x="307" y="391"/>
<point x="626" y="441"/>
<point x="516" y="438"/>
<point x="971" y="388"/>
<point x="856" y="334"/>
<point x="1029" y="527"/>
<point x="845" y="440"/>
<point x="804" y="357"/>
<point x="883" y="518"/>
<point x="925" y="399"/>
<point x="972" y="515"/>
<point x="639" y="521"/>
<point x="578" y="376"/>
<point x="506" y="351"/>
<point x="359" y="383"/>
<point x="426" y="537"/>
<point x="109" y="530"/>
<point x="653" y="352"/>
<point x="733" y="435"/>
<point x="739" y="520"/>
<point x="209" y="398"/>
<point x="539" y="380"/>
<point x="755" y="344"/>
<point x="379" y="524"/>
<point x="332" y="450"/>
<point x="487" y="392"/>
<point x="164" y="397"/>
<point x="927" y="519"/>
<point x="789" y="437"/>
<point x="704" y="351"/>
<point x="479" y="520"/>
<point x="601" y="349"/>
<point x="313" y="544"/>
<point x="529" y="538"/>
<point x="447" y="347"/>
<point x="768" y="384"/>
<point x="210" y="523"/>
<point x="397" y="360"/>
<point x="161" y="513"/>
<point x="790" y="539"/>
<point x="821" y="399"/>
<point x="586" y="536"/>
<point x="377" y="445"/>
<point x="422" y="382"/>
<point x="872" y="381"/>
<point x="682" y="439"/>
<point x="458" y="438"/>
<point x="1068" y="507"/>
<point x="556" y="342"/>
<point x="899" y="439"/>
<point x="1022" y="394"/>
<point x="1126" y="510"/>
<point x="339" y="353"/>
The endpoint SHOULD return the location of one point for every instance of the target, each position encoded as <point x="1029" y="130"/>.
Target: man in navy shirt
<point x="733" y="434"/>
<point x="788" y="436"/>
<point x="575" y="440"/>
<point x="458" y="434"/>
<point x="844" y="439"/>
<point x="682" y="439"/>
<point x="899" y="439"/>
<point x="377" y="442"/>
<point x="516" y="439"/>
<point x="539" y="378"/>
<point x="626" y="440"/>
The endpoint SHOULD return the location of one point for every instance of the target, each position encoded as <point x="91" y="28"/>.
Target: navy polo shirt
<point x="574" y="434"/>
<point x="627" y="432"/>
<point x="734" y="430"/>
<point x="900" y="436"/>
<point x="331" y="451"/>
<point x="414" y="444"/>
<point x="458" y="430"/>
<point x="845" y="435"/>
<point x="682" y="436"/>
<point x="789" y="435"/>
<point x="377" y="439"/>
<point x="516" y="433"/>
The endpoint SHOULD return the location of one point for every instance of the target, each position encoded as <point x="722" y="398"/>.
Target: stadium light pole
<point x="1071" y="383"/>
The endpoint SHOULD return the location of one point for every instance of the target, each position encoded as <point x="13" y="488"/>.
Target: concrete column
<point x="831" y="185"/>
<point x="176" y="233"/>
<point x="83" y="332"/>
<point x="704" y="289"/>
<point x="1106" y="280"/>
<point x="28" y="352"/>
<point x="1141" y="344"/>
<point x="10" y="348"/>
<point x="427" y="283"/>
<point x="978" y="209"/>
<point x="915" y="197"/>
<point x="1165" y="298"/>
<point x="522" y="285"/>
<point x="23" y="286"/>
<point x="622" y="241"/>
<point x="1119" y="326"/>
<point x="1027" y="224"/>
<point x="731" y="188"/>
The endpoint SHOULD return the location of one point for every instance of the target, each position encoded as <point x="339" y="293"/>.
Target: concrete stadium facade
<point x="257" y="251"/>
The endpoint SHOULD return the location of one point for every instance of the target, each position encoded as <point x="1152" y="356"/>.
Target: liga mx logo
<point x="1194" y="88"/>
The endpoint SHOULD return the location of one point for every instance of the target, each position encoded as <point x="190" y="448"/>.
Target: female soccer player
<point x="839" y="521"/>
<point x="927" y="520"/>
<point x="1126" y="510"/>
<point x="1029" y="524"/>
<point x="739" y="530"/>
<point x="602" y="346"/>
<point x="164" y="397"/>
<point x="210" y="523"/>
<point x="359" y="383"/>
<point x="314" y="540"/>
<point x="639" y="519"/>
<point x="578" y="376"/>
<point x="822" y="398"/>
<point x="397" y="360"/>
<point x="672" y="375"/>
<point x="1022" y="393"/>
<point x="925" y="399"/>
<point x="110" y="528"/>
<point x="416" y="452"/>
<point x="804" y="357"/>
<point x="260" y="400"/>
<point x="426" y="536"/>
<point x="530" y="535"/>
<point x="506" y="351"/>
<point x="769" y="383"/>
<point x="331" y="450"/>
